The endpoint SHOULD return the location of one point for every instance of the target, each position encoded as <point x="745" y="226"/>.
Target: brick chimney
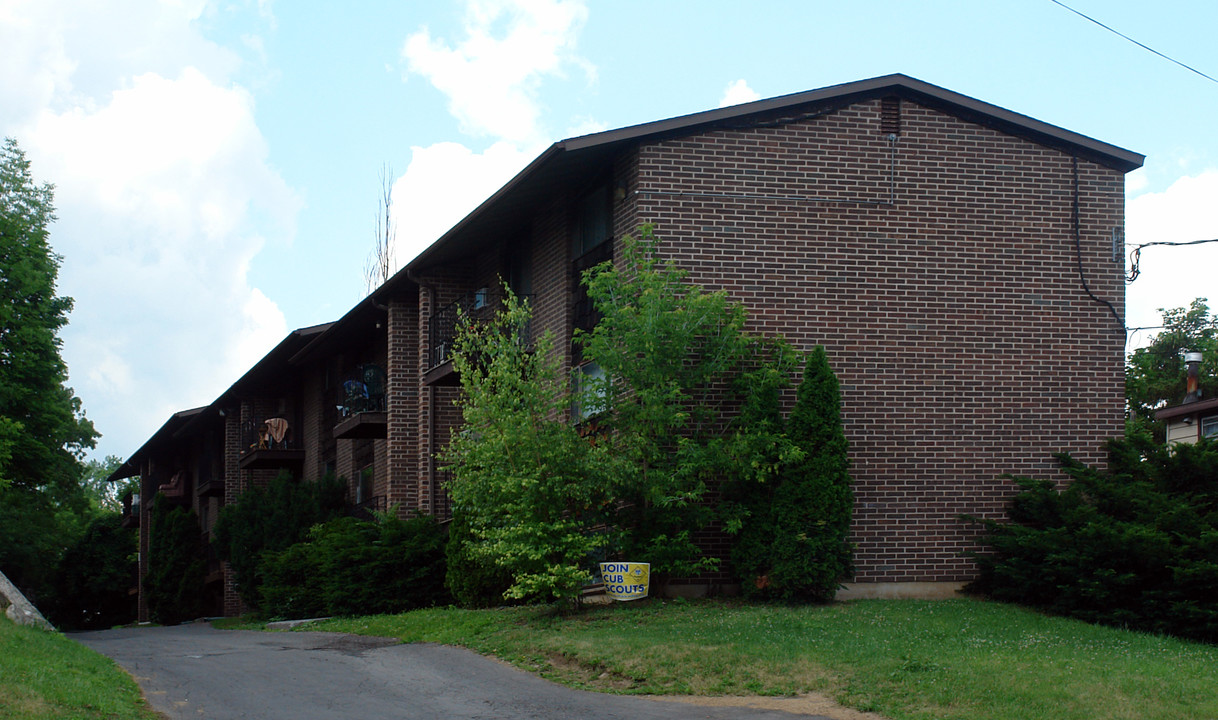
<point x="1192" y="387"/>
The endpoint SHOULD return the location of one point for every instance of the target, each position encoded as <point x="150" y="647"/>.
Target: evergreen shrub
<point x="350" y="567"/>
<point x="272" y="519"/>
<point x="473" y="580"/>
<point x="1132" y="545"/>
<point x="793" y="501"/>
<point x="174" y="583"/>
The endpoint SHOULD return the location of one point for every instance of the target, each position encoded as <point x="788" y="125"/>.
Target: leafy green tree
<point x="42" y="428"/>
<point x="527" y="489"/>
<point x="95" y="576"/>
<point x="670" y="353"/>
<point x="102" y="494"/>
<point x="1155" y="374"/>
<point x="43" y="508"/>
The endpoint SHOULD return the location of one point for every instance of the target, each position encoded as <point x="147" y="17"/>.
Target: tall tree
<point x="43" y="430"/>
<point x="529" y="493"/>
<point x="1155" y="374"/>
<point x="380" y="266"/>
<point x="793" y="543"/>
<point x="667" y="353"/>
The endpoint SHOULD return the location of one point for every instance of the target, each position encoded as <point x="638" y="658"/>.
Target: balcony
<point x="477" y="307"/>
<point x="131" y="510"/>
<point x="210" y="486"/>
<point x="367" y="508"/>
<point x="361" y="404"/>
<point x="269" y="445"/>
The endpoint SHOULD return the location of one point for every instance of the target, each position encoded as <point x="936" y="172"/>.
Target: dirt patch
<point x="572" y="669"/>
<point x="805" y="704"/>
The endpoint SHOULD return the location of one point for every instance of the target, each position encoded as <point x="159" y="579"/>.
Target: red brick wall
<point x="402" y="403"/>
<point x="311" y="430"/>
<point x="954" y="317"/>
<point x="232" y="491"/>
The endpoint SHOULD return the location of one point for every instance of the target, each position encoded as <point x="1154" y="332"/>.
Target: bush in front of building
<point x="271" y="519"/>
<point x="474" y="580"/>
<point x="790" y="497"/>
<point x="351" y="567"/>
<point x="173" y="586"/>
<point x="1133" y="545"/>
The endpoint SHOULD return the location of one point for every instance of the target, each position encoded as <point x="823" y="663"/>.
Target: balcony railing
<point x="361" y="404"/>
<point x="362" y="391"/>
<point x="131" y="510"/>
<point x="477" y="307"/>
<point x="269" y="443"/>
<point x="366" y="509"/>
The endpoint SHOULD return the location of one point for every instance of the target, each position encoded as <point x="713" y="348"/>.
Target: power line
<point x="1135" y="256"/>
<point x="1135" y="42"/>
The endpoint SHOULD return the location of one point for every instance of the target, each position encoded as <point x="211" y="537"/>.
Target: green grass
<point x="45" y="675"/>
<point x="903" y="659"/>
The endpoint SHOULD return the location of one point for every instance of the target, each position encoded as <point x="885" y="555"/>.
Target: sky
<point x="218" y="164"/>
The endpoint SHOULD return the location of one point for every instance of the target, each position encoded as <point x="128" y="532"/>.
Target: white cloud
<point x="1136" y="182"/>
<point x="492" y="76"/>
<point x="443" y="184"/>
<point x="738" y="92"/>
<point x="1173" y="276"/>
<point x="585" y="126"/>
<point x="164" y="196"/>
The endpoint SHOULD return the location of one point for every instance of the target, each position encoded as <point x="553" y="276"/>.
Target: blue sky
<point x="218" y="163"/>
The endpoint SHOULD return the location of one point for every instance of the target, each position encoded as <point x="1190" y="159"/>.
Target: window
<point x="1209" y="426"/>
<point x="593" y="221"/>
<point x="363" y="490"/>
<point x="591" y="391"/>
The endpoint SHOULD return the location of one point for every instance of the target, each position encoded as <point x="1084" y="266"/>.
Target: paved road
<point x="194" y="671"/>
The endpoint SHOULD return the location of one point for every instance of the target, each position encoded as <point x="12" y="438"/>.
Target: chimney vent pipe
<point x="1192" y="384"/>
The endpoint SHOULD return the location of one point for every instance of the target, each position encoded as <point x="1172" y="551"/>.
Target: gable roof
<point x="1176" y="411"/>
<point x="570" y="162"/>
<point x="268" y="372"/>
<point x="131" y="467"/>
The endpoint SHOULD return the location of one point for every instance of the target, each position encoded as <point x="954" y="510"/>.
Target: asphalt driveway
<point x="194" y="671"/>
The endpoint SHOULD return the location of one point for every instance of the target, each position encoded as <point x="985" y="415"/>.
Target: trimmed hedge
<point x="356" y="567"/>
<point x="1133" y="545"/>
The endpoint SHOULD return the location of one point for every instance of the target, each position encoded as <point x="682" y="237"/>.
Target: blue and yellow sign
<point x="626" y="580"/>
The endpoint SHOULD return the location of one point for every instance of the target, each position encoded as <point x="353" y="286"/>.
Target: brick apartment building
<point x="961" y="264"/>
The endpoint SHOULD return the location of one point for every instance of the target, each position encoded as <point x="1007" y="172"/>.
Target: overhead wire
<point x="1135" y="255"/>
<point x="1135" y="42"/>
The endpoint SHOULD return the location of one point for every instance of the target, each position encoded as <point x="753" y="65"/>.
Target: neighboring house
<point x="961" y="264"/>
<point x="1194" y="418"/>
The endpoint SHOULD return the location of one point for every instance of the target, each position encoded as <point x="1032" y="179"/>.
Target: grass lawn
<point x="902" y="659"/>
<point x="45" y="675"/>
